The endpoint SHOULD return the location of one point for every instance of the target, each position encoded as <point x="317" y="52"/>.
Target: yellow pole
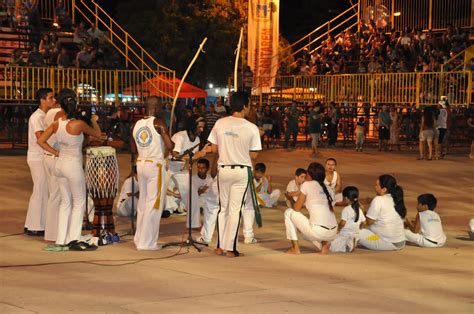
<point x="182" y="81"/>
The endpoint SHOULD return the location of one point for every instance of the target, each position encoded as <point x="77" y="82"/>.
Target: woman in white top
<point x="333" y="181"/>
<point x="321" y="227"/>
<point x="70" y="136"/>
<point x="351" y="219"/>
<point x="385" y="217"/>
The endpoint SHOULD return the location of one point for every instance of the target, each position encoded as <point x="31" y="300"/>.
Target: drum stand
<point x="189" y="241"/>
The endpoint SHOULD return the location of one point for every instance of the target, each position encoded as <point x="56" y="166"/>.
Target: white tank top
<point x="331" y="185"/>
<point x="48" y="120"/>
<point x="150" y="145"/>
<point x="69" y="145"/>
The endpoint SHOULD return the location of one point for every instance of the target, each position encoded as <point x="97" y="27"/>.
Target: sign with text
<point x="263" y="36"/>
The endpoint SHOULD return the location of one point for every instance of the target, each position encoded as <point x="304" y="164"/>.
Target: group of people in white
<point x="222" y="187"/>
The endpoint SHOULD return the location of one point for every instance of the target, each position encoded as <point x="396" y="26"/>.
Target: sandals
<point x="56" y="248"/>
<point x="81" y="246"/>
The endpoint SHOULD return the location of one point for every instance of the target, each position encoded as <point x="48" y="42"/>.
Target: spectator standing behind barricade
<point x="442" y="129"/>
<point x="277" y="125"/>
<point x="360" y="134"/>
<point x="384" y="128"/>
<point x="315" y="127"/>
<point x="333" y="121"/>
<point x="394" y="128"/>
<point x="292" y="115"/>
<point x="427" y="133"/>
<point x="267" y="124"/>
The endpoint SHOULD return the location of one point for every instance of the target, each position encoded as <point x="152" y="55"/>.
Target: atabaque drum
<point x="102" y="178"/>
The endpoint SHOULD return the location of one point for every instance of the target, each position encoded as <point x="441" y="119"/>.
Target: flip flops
<point x="56" y="248"/>
<point x="81" y="246"/>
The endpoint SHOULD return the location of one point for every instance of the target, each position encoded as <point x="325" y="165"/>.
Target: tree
<point x="172" y="30"/>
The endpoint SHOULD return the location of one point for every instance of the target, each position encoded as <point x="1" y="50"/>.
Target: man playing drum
<point x="152" y="142"/>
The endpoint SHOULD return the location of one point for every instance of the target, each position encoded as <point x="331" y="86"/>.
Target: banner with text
<point x="263" y="36"/>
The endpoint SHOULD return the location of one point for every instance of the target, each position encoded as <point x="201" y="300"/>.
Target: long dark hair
<point x="352" y="193"/>
<point x="389" y="182"/>
<point x="317" y="173"/>
<point x="67" y="100"/>
<point x="428" y="116"/>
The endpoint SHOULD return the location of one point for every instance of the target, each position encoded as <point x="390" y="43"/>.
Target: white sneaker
<point x="179" y="213"/>
<point x="250" y="240"/>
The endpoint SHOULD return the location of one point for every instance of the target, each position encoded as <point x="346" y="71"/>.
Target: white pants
<point x="152" y="187"/>
<point x="182" y="183"/>
<point x="124" y="209"/>
<point x="35" y="217"/>
<point x="233" y="185"/>
<point x="295" y="221"/>
<point x="419" y="240"/>
<point x="54" y="199"/>
<point x="270" y="199"/>
<point x="72" y="187"/>
<point x="372" y="241"/>
<point x="248" y="218"/>
<point x="342" y="243"/>
<point x="209" y="222"/>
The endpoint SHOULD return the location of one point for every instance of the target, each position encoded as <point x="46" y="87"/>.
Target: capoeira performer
<point x="35" y="217"/>
<point x="205" y="185"/>
<point x="293" y="189"/>
<point x="333" y="181"/>
<point x="152" y="142"/>
<point x="321" y="227"/>
<point x="237" y="142"/>
<point x="178" y="165"/>
<point x="70" y="136"/>
<point x="54" y="199"/>
<point x="128" y="195"/>
<point x="266" y="196"/>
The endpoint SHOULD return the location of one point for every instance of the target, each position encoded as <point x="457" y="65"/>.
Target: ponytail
<point x="396" y="191"/>
<point x="328" y="196"/>
<point x="352" y="193"/>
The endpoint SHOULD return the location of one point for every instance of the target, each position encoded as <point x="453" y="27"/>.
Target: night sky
<point x="297" y="17"/>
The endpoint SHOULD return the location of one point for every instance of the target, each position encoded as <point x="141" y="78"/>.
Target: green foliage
<point x="171" y="30"/>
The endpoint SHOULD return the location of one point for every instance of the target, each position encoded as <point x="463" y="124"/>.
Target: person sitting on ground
<point x="266" y="195"/>
<point x="128" y="195"/>
<point x="385" y="231"/>
<point x="321" y="227"/>
<point x="352" y="218"/>
<point x="206" y="186"/>
<point x="426" y="230"/>
<point x="333" y="181"/>
<point x="293" y="188"/>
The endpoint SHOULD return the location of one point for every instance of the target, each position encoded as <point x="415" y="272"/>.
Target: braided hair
<point x="317" y="173"/>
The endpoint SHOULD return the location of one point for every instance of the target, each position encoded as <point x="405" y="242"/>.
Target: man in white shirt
<point x="237" y="142"/>
<point x="51" y="215"/>
<point x="35" y="217"/>
<point x="178" y="164"/>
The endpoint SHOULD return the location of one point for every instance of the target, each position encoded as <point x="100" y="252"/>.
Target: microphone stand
<point x="189" y="241"/>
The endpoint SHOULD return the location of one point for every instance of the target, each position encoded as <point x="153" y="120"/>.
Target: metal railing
<point x="95" y="86"/>
<point x="312" y="41"/>
<point x="388" y="88"/>
<point x="422" y="14"/>
<point x="135" y="55"/>
<point x="458" y="61"/>
<point x="47" y="8"/>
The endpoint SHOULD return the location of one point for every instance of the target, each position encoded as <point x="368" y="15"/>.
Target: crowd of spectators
<point x="371" y="50"/>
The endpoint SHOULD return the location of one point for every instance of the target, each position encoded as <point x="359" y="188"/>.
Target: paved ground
<point x="119" y="279"/>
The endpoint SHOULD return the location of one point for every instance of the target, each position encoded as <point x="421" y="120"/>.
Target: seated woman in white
<point x="385" y="231"/>
<point x="427" y="230"/>
<point x="321" y="227"/>
<point x="333" y="181"/>
<point x="351" y="219"/>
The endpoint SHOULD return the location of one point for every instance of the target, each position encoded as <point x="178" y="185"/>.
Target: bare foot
<point x="325" y="248"/>
<point x="234" y="254"/>
<point x="293" y="250"/>
<point x="219" y="251"/>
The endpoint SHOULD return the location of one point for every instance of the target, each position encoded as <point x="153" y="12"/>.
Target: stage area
<point x="117" y="278"/>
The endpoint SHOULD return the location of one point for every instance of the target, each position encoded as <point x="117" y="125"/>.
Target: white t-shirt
<point x="441" y="122"/>
<point x="351" y="228"/>
<point x="211" y="196"/>
<point x="181" y="144"/>
<point x="388" y="223"/>
<point x="317" y="205"/>
<point x="48" y="120"/>
<point x="430" y="226"/>
<point x="293" y="187"/>
<point x="35" y="124"/>
<point x="126" y="189"/>
<point x="235" y="138"/>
